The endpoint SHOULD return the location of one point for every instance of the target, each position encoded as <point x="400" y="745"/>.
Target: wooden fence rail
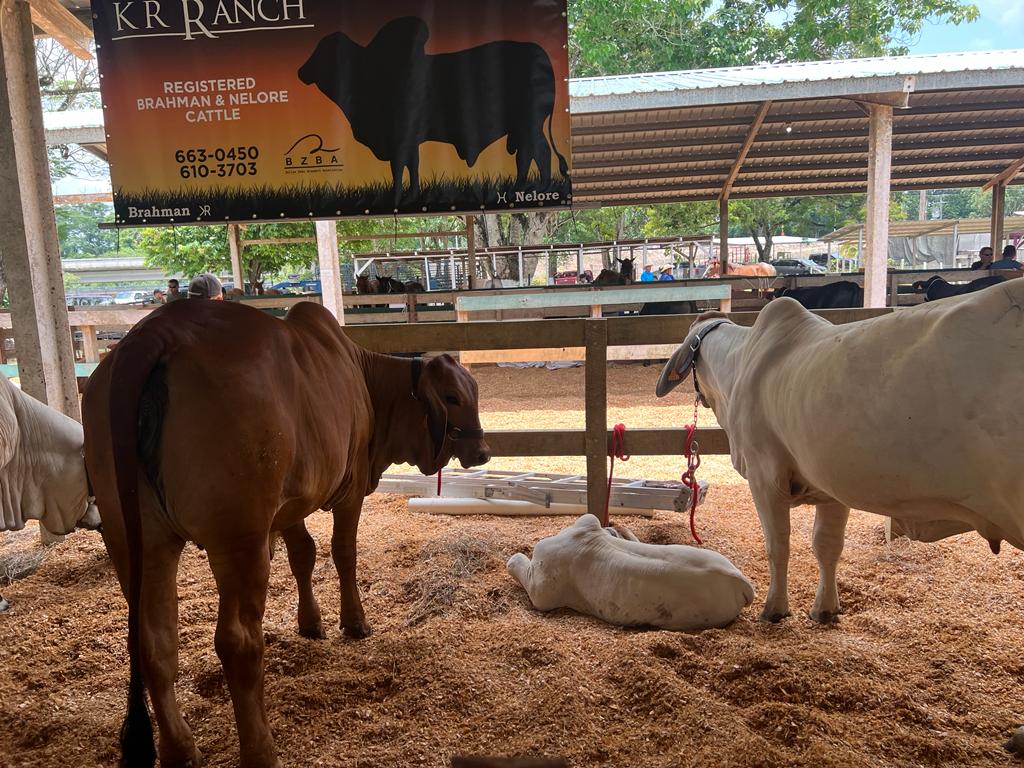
<point x="595" y="336"/>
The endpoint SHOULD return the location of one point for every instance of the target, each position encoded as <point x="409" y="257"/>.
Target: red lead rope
<point x="618" y="451"/>
<point x="691" y="450"/>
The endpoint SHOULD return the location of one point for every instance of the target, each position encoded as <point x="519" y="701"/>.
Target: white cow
<point x="892" y="415"/>
<point x="42" y="469"/>
<point x="597" y="571"/>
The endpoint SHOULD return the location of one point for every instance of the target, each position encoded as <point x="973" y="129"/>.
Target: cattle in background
<point x="757" y="269"/>
<point x="936" y="288"/>
<point x="42" y="472"/>
<point x="170" y="414"/>
<point x="396" y="96"/>
<point x="607" y="573"/>
<point x="842" y="294"/>
<point x="625" y="275"/>
<point x="932" y="461"/>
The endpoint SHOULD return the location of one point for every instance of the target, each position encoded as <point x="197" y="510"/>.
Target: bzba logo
<point x="309" y="153"/>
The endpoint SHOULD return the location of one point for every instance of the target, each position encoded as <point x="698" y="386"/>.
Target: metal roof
<point x="852" y="232"/>
<point x="675" y="136"/>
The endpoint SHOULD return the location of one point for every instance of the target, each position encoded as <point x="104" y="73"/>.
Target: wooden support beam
<point x="573" y="442"/>
<point x="278" y="241"/>
<point x="723" y="243"/>
<point x="1004" y="177"/>
<point x="235" y="249"/>
<point x="998" y="219"/>
<point x="90" y="344"/>
<point x="330" y="268"/>
<point x="28" y="228"/>
<point x="877" y="223"/>
<point x="60" y="24"/>
<point x="595" y="337"/>
<point x="741" y="158"/>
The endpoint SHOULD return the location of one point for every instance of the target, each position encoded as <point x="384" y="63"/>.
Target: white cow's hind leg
<point x="827" y="540"/>
<point x="773" y="509"/>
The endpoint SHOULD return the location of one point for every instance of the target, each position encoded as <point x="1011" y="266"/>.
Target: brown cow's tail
<point x="563" y="166"/>
<point x="134" y="360"/>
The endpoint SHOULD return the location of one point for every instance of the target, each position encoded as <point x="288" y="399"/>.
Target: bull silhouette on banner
<point x="396" y="97"/>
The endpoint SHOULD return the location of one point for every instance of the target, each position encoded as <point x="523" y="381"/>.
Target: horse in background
<point x="757" y="269"/>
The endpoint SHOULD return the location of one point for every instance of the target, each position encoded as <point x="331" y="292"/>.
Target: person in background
<point x="667" y="273"/>
<point x="647" y="276"/>
<point x="158" y="296"/>
<point x="173" y="291"/>
<point x="1008" y="260"/>
<point x="984" y="258"/>
<point x="206" y="286"/>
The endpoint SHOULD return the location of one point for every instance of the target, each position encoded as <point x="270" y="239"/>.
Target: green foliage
<point x="81" y="238"/>
<point x="609" y="37"/>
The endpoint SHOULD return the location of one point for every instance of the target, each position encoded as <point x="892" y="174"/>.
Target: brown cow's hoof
<point x="196" y="761"/>
<point x="774" y="618"/>
<point x="357" y="632"/>
<point x="315" y="632"/>
<point x="825" y="617"/>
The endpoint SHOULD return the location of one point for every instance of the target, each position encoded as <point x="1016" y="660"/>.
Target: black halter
<point x="695" y="348"/>
<point x="453" y="433"/>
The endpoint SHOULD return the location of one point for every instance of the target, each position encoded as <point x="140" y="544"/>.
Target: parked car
<point x="133" y="297"/>
<point x="797" y="267"/>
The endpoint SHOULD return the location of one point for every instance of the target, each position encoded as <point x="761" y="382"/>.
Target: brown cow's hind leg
<point x="343" y="548"/>
<point x="302" y="559"/>
<point x="242" y="573"/>
<point x="160" y="648"/>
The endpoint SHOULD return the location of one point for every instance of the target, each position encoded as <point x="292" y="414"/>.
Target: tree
<point x="192" y="250"/>
<point x="609" y="37"/>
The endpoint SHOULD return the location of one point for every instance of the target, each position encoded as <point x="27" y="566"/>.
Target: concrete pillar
<point x="877" y="223"/>
<point x="330" y="269"/>
<point x="235" y="248"/>
<point x="28" y="229"/>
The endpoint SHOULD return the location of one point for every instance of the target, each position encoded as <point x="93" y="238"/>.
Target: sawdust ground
<point x="924" y="668"/>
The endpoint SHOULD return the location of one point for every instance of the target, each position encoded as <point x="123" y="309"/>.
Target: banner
<point x="241" y="110"/>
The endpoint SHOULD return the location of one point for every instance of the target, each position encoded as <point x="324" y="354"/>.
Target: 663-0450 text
<point x="221" y="162"/>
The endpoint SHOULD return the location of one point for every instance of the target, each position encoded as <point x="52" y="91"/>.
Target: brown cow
<point x="757" y="269"/>
<point x="175" y="455"/>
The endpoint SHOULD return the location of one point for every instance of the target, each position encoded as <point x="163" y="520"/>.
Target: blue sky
<point x="1000" y="25"/>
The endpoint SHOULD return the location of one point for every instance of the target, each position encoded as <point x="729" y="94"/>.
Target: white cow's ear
<point x="675" y="370"/>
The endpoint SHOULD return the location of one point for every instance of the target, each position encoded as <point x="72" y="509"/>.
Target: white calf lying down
<point x="596" y="571"/>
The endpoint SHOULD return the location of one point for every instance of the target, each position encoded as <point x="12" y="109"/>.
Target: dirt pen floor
<point x="924" y="668"/>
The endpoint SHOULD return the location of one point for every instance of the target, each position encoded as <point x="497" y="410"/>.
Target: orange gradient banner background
<point x="142" y="144"/>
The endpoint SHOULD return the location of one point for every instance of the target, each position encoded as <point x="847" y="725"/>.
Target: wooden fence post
<point x="90" y="344"/>
<point x="595" y="335"/>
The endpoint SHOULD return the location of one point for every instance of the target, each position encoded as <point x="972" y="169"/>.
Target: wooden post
<point x="595" y="337"/>
<point x="28" y="229"/>
<point x="330" y="269"/>
<point x="996" y="224"/>
<point x="90" y="344"/>
<point x="235" y="247"/>
<point x="723" y="236"/>
<point x="426" y="273"/>
<point x="877" y="223"/>
<point x="469" y="270"/>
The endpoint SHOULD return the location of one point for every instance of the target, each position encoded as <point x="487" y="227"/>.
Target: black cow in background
<point x="842" y="294"/>
<point x="936" y="288"/>
<point x="396" y="97"/>
<point x="625" y="275"/>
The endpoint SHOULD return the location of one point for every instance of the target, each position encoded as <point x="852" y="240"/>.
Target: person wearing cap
<point x="205" y="286"/>
<point x="666" y="273"/>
